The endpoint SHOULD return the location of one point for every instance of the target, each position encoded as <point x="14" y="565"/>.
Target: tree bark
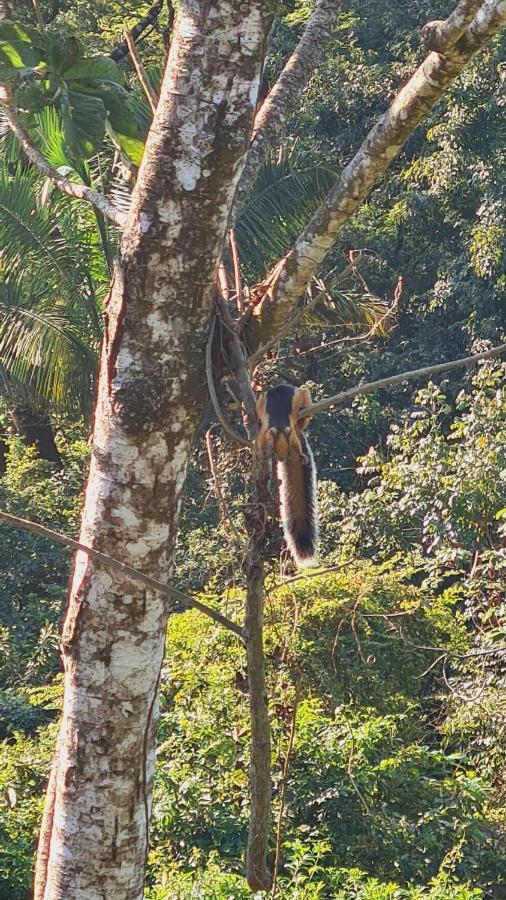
<point x="150" y="399"/>
<point x="285" y="93"/>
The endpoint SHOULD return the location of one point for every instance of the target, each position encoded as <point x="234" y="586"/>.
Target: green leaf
<point x="132" y="146"/>
<point x="62" y="53"/>
<point x="93" y="70"/>
<point x="83" y="118"/>
<point x="121" y="118"/>
<point x="12" y="31"/>
<point x="19" y="54"/>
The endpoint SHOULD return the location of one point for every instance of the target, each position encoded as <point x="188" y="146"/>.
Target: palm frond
<point x="283" y="200"/>
<point x="46" y="351"/>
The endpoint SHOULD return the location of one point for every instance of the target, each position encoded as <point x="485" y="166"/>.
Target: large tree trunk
<point x="151" y="389"/>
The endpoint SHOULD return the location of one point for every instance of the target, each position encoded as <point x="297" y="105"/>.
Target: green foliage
<point x="377" y="796"/>
<point x="88" y="91"/>
<point x="34" y="572"/>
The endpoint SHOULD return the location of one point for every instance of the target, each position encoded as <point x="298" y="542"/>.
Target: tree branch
<point x="183" y="600"/>
<point x="150" y="18"/>
<point x="283" y="96"/>
<point x="443" y="34"/>
<point x="79" y="191"/>
<point x="377" y="152"/>
<point x="367" y="388"/>
<point x="141" y="72"/>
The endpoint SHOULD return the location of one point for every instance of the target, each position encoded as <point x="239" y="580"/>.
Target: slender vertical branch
<point x="141" y="72"/>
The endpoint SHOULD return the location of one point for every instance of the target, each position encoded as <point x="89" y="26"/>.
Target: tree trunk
<point x="35" y="428"/>
<point x="94" y="837"/>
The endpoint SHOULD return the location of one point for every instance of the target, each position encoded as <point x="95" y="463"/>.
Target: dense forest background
<point x="386" y="674"/>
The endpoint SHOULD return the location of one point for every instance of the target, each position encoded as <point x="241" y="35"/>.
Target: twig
<point x="141" y="72"/>
<point x="167" y="590"/>
<point x="212" y="391"/>
<point x="360" y="389"/>
<point x="349" y="772"/>
<point x="78" y="190"/>
<point x="282" y="796"/>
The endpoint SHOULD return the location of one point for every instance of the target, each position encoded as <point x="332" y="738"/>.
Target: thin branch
<point x="149" y="19"/>
<point x="282" y="797"/>
<point x="141" y="72"/>
<point x="285" y="93"/>
<point x="217" y="489"/>
<point x="79" y="191"/>
<point x="167" y="590"/>
<point x="214" y="396"/>
<point x="360" y="389"/>
<point x="380" y="148"/>
<point x="234" y="253"/>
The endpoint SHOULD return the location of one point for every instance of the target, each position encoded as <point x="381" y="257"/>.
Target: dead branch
<point x="77" y="190"/>
<point x="282" y="794"/>
<point x="367" y="388"/>
<point x="217" y="489"/>
<point x="182" y="601"/>
<point x="257" y="873"/>
<point x="380" y="148"/>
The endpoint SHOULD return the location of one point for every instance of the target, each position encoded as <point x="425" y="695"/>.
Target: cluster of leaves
<point x="48" y="69"/>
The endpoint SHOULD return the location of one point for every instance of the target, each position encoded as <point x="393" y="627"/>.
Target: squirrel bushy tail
<point x="299" y="505"/>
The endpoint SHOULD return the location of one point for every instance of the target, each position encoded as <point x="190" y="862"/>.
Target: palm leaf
<point x="46" y="351"/>
<point x="283" y="200"/>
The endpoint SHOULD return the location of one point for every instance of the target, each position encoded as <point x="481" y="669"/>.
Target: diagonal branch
<point x="370" y="386"/>
<point x="79" y="191"/>
<point x="443" y="34"/>
<point x="141" y="72"/>
<point x="377" y="152"/>
<point x="149" y="20"/>
<point x="184" y="601"/>
<point x="285" y="93"/>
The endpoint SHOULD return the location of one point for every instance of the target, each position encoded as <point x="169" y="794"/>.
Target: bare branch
<point x="79" y="191"/>
<point x="141" y="72"/>
<point x="377" y="152"/>
<point x="367" y="388"/>
<point x="184" y="600"/>
<point x="286" y="91"/>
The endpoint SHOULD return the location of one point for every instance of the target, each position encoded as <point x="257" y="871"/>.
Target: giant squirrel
<point x="281" y="431"/>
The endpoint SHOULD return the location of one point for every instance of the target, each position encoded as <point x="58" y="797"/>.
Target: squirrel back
<point x="281" y="429"/>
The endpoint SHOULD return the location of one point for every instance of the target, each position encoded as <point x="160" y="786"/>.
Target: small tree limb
<point x="149" y="19"/>
<point x="141" y="72"/>
<point x="380" y="148"/>
<point x="285" y="93"/>
<point x="77" y="190"/>
<point x="181" y="599"/>
<point x="370" y="386"/>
